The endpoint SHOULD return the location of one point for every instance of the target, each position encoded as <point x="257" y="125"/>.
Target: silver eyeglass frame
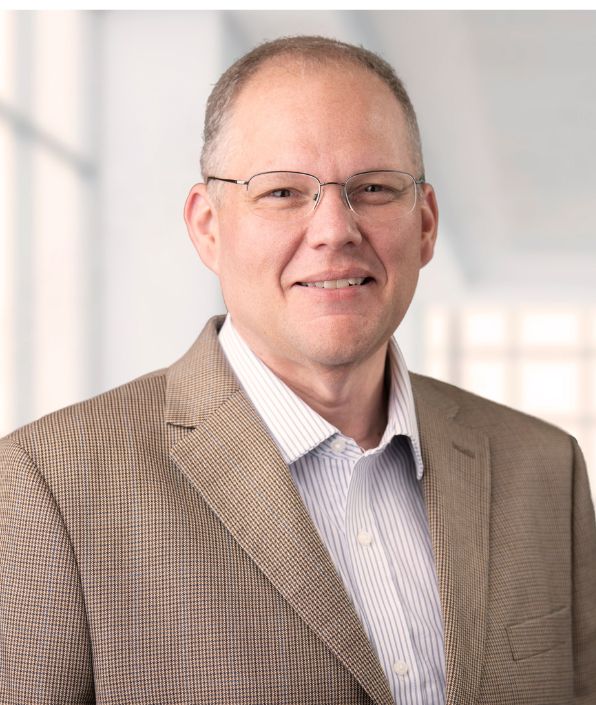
<point x="317" y="199"/>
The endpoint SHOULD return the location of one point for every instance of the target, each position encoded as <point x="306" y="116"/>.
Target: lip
<point x="329" y="275"/>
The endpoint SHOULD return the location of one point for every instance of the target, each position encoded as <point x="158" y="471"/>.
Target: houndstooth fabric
<point x="153" y="549"/>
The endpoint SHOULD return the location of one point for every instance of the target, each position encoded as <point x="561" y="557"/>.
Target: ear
<point x="200" y="215"/>
<point x="429" y="222"/>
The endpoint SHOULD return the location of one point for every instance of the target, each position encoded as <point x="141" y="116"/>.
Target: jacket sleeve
<point x="45" y="651"/>
<point x="584" y="585"/>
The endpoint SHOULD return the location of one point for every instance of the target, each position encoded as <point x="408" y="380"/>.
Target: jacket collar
<point x="200" y="381"/>
<point x="456" y="486"/>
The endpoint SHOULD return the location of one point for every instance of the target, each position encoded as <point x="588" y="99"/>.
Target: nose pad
<point x="336" y="225"/>
<point x="318" y="197"/>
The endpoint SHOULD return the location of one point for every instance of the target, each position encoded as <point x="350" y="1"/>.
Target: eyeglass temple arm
<point x="240" y="182"/>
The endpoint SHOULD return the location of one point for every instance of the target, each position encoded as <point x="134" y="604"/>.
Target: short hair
<point x="314" y="49"/>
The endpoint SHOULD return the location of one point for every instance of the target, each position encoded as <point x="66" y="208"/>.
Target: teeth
<point x="336" y="283"/>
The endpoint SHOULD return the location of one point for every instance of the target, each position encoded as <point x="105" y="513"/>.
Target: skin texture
<point x="329" y="346"/>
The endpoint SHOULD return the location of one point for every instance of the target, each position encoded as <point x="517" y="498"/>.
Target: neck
<point x="352" y="398"/>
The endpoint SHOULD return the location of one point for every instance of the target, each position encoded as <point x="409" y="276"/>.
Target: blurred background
<point x="100" y="135"/>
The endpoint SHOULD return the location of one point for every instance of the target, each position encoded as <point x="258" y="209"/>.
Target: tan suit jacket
<point x="154" y="550"/>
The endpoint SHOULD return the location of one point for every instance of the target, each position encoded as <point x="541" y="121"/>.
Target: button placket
<point x="373" y="575"/>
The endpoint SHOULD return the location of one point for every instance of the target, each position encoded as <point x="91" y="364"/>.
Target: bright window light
<point x="58" y="255"/>
<point x="592" y="385"/>
<point x="6" y="272"/>
<point x="486" y="377"/>
<point x="550" y="328"/>
<point x="437" y="366"/>
<point x="484" y="328"/>
<point x="6" y="56"/>
<point x="57" y="76"/>
<point x="549" y="387"/>
<point x="437" y="328"/>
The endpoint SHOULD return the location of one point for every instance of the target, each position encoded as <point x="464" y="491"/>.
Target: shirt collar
<point x="294" y="426"/>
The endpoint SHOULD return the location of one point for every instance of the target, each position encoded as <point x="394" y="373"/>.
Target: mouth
<point x="338" y="283"/>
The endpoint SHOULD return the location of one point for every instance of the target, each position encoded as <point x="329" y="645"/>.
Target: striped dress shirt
<point x="369" y="510"/>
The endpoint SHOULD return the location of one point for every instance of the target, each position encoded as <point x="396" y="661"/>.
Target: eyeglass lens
<point x="381" y="196"/>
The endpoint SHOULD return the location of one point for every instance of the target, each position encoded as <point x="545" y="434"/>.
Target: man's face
<point x="331" y="122"/>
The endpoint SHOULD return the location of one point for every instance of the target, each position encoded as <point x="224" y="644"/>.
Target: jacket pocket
<point x="539" y="634"/>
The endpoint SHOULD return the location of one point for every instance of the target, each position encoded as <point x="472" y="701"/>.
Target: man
<point x="285" y="515"/>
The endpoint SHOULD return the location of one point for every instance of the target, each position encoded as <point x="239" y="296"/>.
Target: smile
<point x="337" y="283"/>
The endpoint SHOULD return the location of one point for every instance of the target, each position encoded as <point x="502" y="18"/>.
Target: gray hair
<point x="313" y="49"/>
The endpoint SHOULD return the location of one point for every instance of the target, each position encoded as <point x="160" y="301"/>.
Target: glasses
<point x="379" y="196"/>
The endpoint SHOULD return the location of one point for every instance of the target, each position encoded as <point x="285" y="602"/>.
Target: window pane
<point x="7" y="56"/>
<point x="486" y="377"/>
<point x="437" y="366"/>
<point x="6" y="283"/>
<point x="593" y="330"/>
<point x="549" y="328"/>
<point x="59" y="258"/>
<point x="437" y="327"/>
<point x="6" y="187"/>
<point x="484" y="328"/>
<point x="57" y="74"/>
<point x="590" y="454"/>
<point x="549" y="387"/>
<point x="592" y="393"/>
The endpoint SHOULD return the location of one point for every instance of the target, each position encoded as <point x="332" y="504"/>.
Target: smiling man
<point x="316" y="278"/>
<point x="286" y="515"/>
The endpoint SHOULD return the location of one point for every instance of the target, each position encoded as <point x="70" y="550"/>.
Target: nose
<point x="333" y="223"/>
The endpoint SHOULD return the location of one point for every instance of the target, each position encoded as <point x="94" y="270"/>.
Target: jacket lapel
<point x="457" y="493"/>
<point x="233" y="463"/>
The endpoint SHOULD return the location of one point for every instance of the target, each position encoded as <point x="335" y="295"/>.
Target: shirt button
<point x="364" y="537"/>
<point x="338" y="445"/>
<point x="400" y="667"/>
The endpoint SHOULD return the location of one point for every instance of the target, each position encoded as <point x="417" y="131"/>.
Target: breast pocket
<point x="539" y="634"/>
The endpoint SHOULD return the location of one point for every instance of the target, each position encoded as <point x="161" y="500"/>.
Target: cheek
<point x="252" y="262"/>
<point x="255" y="249"/>
<point x="400" y="256"/>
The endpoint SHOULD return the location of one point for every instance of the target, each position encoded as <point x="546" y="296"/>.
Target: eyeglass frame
<point x="317" y="200"/>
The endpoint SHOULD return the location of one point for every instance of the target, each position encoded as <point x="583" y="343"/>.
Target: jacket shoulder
<point x="480" y="412"/>
<point x="120" y="414"/>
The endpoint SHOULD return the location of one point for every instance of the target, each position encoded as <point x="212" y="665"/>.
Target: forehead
<point x="296" y="114"/>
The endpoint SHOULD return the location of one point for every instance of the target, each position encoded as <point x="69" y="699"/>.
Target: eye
<point x="384" y="190"/>
<point x="280" y="193"/>
<point x="281" y="190"/>
<point x="373" y="193"/>
<point x="369" y="190"/>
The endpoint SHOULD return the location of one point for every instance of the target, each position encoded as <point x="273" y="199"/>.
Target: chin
<point x="338" y="348"/>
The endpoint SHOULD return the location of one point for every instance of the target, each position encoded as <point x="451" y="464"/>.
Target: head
<point x="311" y="105"/>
